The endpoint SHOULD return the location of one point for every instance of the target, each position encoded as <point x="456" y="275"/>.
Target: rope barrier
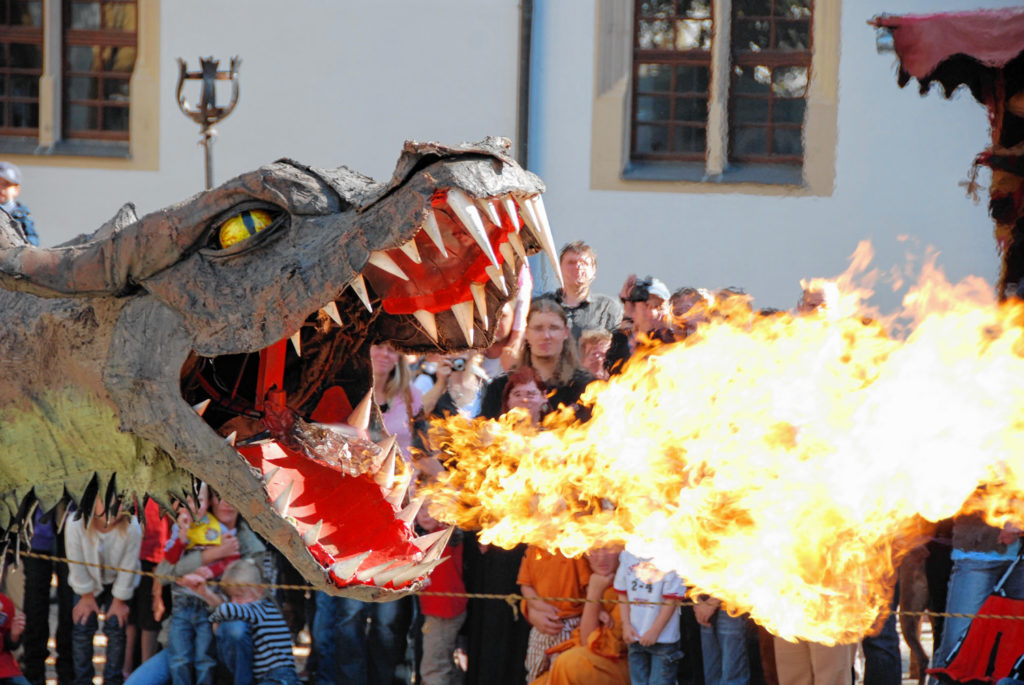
<point x="512" y="599"/>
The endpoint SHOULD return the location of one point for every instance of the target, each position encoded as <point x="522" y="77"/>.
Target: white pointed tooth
<point x="384" y="577"/>
<point x="201" y="407"/>
<point x="368" y="573"/>
<point x="425" y="542"/>
<point x="435" y="550"/>
<point x="507" y="253"/>
<point x="231" y="438"/>
<point x="270" y="474"/>
<point x="344" y="568"/>
<point x="510" y="208"/>
<point x="415" y="572"/>
<point x="313" y="534"/>
<point x="385" y="476"/>
<point x="297" y="343"/>
<point x="428" y="322"/>
<point x="387" y="444"/>
<point x="284" y="500"/>
<point x="359" y="285"/>
<point x="360" y="416"/>
<point x="469" y="215"/>
<point x="411" y="251"/>
<point x="517" y="244"/>
<point x="331" y="310"/>
<point x="409" y="513"/>
<point x="397" y="494"/>
<point x="536" y="219"/>
<point x="433" y="231"/>
<point x="490" y="210"/>
<point x="497" y="278"/>
<point x="382" y="260"/>
<point x="479" y="291"/>
<point x="463" y="312"/>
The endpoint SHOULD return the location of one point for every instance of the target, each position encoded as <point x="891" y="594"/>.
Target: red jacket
<point x="447" y="577"/>
<point x="8" y="666"/>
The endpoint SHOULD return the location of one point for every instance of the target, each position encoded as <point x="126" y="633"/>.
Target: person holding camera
<point x="647" y="317"/>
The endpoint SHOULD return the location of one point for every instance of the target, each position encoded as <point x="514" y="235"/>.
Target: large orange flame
<point x="782" y="464"/>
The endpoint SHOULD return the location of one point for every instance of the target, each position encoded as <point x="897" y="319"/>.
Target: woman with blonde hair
<point x="399" y="401"/>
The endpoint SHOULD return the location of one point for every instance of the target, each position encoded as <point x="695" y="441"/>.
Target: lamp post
<point x="207" y="112"/>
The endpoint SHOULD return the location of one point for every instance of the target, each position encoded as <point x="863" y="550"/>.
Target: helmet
<point x="10" y="173"/>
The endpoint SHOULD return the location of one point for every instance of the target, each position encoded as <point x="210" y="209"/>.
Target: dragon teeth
<point x="536" y="220"/>
<point x="313" y="534"/>
<point x="270" y="474"/>
<point x="382" y="260"/>
<point x="463" y="312"/>
<point x="201" y="407"/>
<point x="497" y="278"/>
<point x="434" y="551"/>
<point x="415" y="572"/>
<point x="384" y="577"/>
<point x="433" y="231"/>
<point x="425" y="542"/>
<point x="397" y="494"/>
<point x="360" y="416"/>
<point x="469" y="215"/>
<point x="230" y="439"/>
<point x="359" y="286"/>
<point x="489" y="209"/>
<point x="345" y="568"/>
<point x="517" y="244"/>
<point x="297" y="342"/>
<point x="507" y="253"/>
<point x="428" y="322"/>
<point x="368" y="573"/>
<point x="411" y="251"/>
<point x="408" y="515"/>
<point x="480" y="297"/>
<point x="331" y="310"/>
<point x="284" y="500"/>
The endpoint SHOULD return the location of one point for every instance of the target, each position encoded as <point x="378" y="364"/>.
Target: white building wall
<point x="899" y="160"/>
<point x="325" y="82"/>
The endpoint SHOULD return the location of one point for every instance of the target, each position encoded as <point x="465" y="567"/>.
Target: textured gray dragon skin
<point x="111" y="341"/>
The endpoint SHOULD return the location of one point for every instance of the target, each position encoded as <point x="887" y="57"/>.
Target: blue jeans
<point x="971" y="581"/>
<point x="154" y="671"/>
<point x="190" y="643"/>
<point x="723" y="648"/>
<point x="283" y="675"/>
<point x="654" y="664"/>
<point x="234" y="650"/>
<point x="15" y="680"/>
<point x="349" y="651"/>
<point x="81" y="645"/>
<point x="882" y="661"/>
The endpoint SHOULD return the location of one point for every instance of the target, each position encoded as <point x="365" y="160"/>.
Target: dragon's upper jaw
<point x="440" y="285"/>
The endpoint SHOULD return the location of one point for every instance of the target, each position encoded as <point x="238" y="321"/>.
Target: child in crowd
<point x="443" y="616"/>
<point x="190" y="636"/>
<point x="273" y="663"/>
<point x="543" y="574"/>
<point x="106" y="544"/>
<point x="150" y="599"/>
<point x="12" y="624"/>
<point x="650" y="630"/>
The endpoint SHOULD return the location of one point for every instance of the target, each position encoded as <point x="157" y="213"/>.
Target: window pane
<point x="26" y="13"/>
<point x="787" y="141"/>
<point x="115" y="118"/>
<point x="793" y="35"/>
<point x="25" y="114"/>
<point x="24" y="86"/>
<point x="694" y="9"/>
<point x="649" y="108"/>
<point x="752" y="8"/>
<point x="793" y="9"/>
<point x="651" y="138"/>
<point x="790" y="82"/>
<point x="653" y="77"/>
<point x="85" y="15"/>
<point x="691" y="109"/>
<point x="655" y="35"/>
<point x="80" y="58"/>
<point x="82" y="88"/>
<point x="751" y="110"/>
<point x="81" y="118"/>
<point x="789" y="111"/>
<point x="115" y="89"/>
<point x="749" y="140"/>
<point x="752" y="80"/>
<point x="751" y="34"/>
<point x="24" y="56"/>
<point x="656" y="8"/>
<point x="693" y="34"/>
<point x="689" y="139"/>
<point x="692" y="80"/>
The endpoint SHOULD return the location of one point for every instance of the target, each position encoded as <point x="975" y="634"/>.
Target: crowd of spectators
<point x="547" y="350"/>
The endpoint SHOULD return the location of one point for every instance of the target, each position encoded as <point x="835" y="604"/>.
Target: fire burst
<point x="784" y="465"/>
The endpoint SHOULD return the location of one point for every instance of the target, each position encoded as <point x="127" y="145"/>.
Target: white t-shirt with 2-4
<point x="640" y="580"/>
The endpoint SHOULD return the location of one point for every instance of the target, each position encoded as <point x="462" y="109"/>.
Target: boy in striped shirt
<point x="273" y="663"/>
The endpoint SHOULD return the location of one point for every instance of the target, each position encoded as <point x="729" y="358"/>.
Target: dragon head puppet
<point x="226" y="339"/>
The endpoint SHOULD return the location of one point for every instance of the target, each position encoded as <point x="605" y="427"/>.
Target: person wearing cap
<point x="585" y="309"/>
<point x="10" y="188"/>
<point x="647" y="316"/>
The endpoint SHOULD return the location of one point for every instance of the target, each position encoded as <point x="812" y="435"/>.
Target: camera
<point x="640" y="291"/>
<point x="458" y="364"/>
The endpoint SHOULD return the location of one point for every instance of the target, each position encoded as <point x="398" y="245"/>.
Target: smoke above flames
<point x="783" y="464"/>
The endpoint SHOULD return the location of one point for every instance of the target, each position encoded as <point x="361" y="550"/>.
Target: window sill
<point x="67" y="148"/>
<point x="695" y="172"/>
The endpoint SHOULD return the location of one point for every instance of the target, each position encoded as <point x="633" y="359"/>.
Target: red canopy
<point x="954" y="47"/>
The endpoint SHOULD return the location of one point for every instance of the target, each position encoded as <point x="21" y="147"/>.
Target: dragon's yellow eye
<point x="242" y="226"/>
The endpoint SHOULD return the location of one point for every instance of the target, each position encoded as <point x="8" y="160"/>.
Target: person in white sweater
<point x="113" y="544"/>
